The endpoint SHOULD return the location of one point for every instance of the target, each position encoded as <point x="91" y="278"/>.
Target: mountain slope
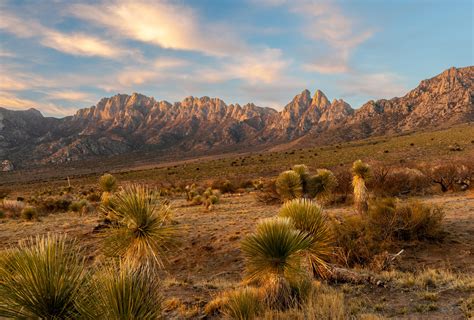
<point x="126" y="123"/>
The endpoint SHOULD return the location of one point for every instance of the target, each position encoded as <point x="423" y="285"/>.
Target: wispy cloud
<point x="267" y="66"/>
<point x="78" y="44"/>
<point x="14" y="102"/>
<point x="375" y="85"/>
<point x="168" y="25"/>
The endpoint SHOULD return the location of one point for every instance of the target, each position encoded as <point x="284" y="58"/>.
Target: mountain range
<point x="134" y="123"/>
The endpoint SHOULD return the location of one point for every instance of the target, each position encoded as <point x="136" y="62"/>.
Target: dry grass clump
<point x="242" y="304"/>
<point x="141" y="231"/>
<point x="360" y="239"/>
<point x="12" y="208"/>
<point x="44" y="278"/>
<point x="430" y="279"/>
<point x="29" y="213"/>
<point x="125" y="293"/>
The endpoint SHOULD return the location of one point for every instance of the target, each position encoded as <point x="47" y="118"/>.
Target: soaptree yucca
<point x="108" y="183"/>
<point x="43" y="278"/>
<point x="142" y="230"/>
<point x="273" y="257"/>
<point x="360" y="174"/>
<point x="303" y="172"/>
<point x="308" y="216"/>
<point x="321" y="185"/>
<point x="123" y="292"/>
<point x="289" y="185"/>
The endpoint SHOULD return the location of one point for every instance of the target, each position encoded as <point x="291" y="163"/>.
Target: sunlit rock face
<point x="125" y="123"/>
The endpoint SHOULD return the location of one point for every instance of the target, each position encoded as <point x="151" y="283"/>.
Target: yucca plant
<point x="142" y="231"/>
<point x="273" y="257"/>
<point x="210" y="197"/>
<point x="125" y="293"/>
<point x="308" y="216"/>
<point x="108" y="183"/>
<point x="303" y="172"/>
<point x="242" y="304"/>
<point x="289" y="186"/>
<point x="360" y="174"/>
<point x="321" y="185"/>
<point x="44" y="278"/>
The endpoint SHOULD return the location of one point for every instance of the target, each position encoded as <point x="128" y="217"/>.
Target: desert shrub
<point x="321" y="185"/>
<point x="93" y="197"/>
<point x="29" y="213"/>
<point x="389" y="182"/>
<point x="258" y="184"/>
<point x="2" y="214"/>
<point x="44" y="278"/>
<point x="308" y="216"/>
<point x="197" y="200"/>
<point x="273" y="258"/>
<point x="386" y="223"/>
<point x="54" y="204"/>
<point x="142" y="231"/>
<point x="12" y="208"/>
<point x="268" y="194"/>
<point x="225" y="186"/>
<point x="344" y="188"/>
<point x="360" y="174"/>
<point x="77" y="206"/>
<point x="210" y="198"/>
<point x="108" y="183"/>
<point x="451" y="176"/>
<point x="242" y="304"/>
<point x="125" y="293"/>
<point x="289" y="185"/>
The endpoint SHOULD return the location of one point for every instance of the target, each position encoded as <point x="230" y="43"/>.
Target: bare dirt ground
<point x="208" y="259"/>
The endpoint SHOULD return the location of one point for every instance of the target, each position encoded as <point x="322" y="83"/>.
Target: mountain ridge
<point x="125" y="123"/>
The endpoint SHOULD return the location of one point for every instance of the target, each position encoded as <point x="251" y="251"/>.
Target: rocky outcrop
<point x="125" y="123"/>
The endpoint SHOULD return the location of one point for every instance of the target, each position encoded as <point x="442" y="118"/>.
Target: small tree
<point x="360" y="174"/>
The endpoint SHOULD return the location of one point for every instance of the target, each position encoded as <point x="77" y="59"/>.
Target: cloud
<point x="69" y="95"/>
<point x="78" y="44"/>
<point x="375" y="85"/>
<point x="336" y="33"/>
<point x="168" y="25"/>
<point x="265" y="66"/>
<point x="17" y="103"/>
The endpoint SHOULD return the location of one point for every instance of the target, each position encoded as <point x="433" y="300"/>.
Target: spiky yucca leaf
<point x="361" y="170"/>
<point x="108" y="183"/>
<point x="142" y="232"/>
<point x="242" y="304"/>
<point x="125" y="293"/>
<point x="303" y="171"/>
<point x="274" y="250"/>
<point x="308" y="216"/>
<point x="321" y="184"/>
<point x="44" y="278"/>
<point x="288" y="185"/>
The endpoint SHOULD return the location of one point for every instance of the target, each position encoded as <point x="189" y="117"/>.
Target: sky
<point x="59" y="56"/>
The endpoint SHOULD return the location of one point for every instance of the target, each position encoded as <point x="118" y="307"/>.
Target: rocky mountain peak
<point x="320" y="100"/>
<point x="124" y="123"/>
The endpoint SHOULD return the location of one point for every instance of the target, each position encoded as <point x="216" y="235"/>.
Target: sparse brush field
<point x="252" y="236"/>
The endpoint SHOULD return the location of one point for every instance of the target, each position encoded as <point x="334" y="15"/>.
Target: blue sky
<point x="58" y="56"/>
